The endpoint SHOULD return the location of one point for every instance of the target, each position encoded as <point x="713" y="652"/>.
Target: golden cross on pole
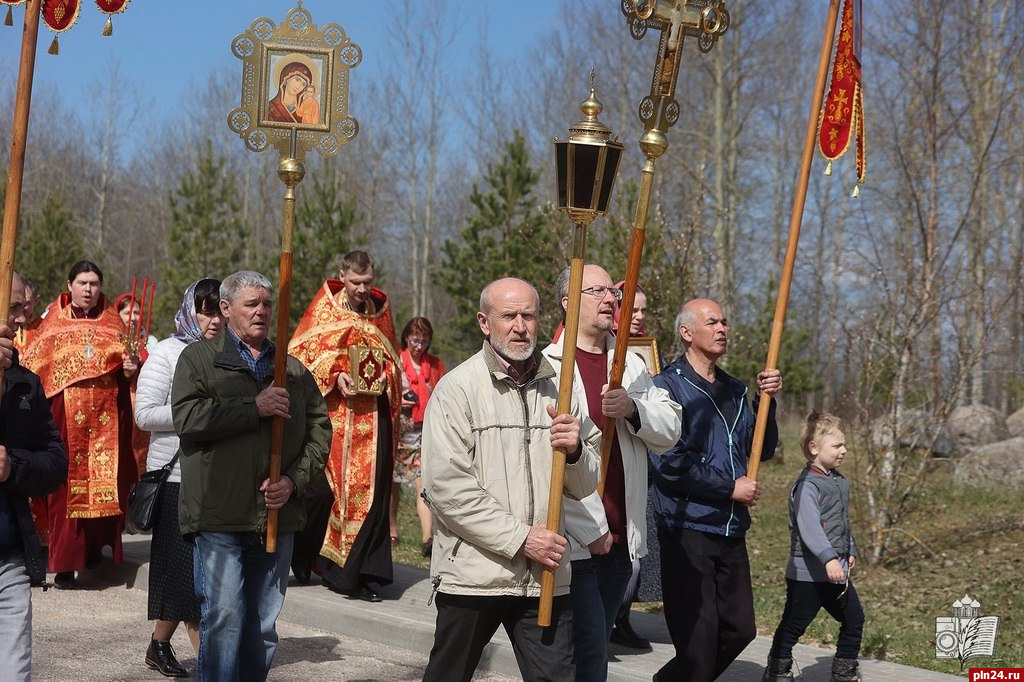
<point x="707" y="21"/>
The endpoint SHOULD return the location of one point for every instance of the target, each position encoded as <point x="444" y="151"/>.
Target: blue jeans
<point x="15" y="619"/>
<point x="598" y="584"/>
<point x="241" y="588"/>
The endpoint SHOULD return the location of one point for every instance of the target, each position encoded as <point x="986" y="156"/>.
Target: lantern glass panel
<point x="611" y="167"/>
<point x="562" y="172"/>
<point x="586" y="158"/>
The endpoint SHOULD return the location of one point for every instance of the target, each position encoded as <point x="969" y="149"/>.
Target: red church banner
<point x="843" y="114"/>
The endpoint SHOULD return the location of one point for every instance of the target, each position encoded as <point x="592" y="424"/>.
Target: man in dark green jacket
<point x="223" y="403"/>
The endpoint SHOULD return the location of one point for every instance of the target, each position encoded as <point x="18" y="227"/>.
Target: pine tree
<point x="324" y="220"/>
<point x="206" y="238"/>
<point x="506" y="236"/>
<point x="48" y="246"/>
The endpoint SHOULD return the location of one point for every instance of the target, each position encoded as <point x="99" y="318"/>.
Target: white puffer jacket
<point x="153" y="405"/>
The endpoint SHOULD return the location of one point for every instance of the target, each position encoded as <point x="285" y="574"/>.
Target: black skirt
<point x="172" y="592"/>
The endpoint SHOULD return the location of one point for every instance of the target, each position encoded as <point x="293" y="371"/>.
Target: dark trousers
<point x="803" y="601"/>
<point x="709" y="602"/>
<point x="465" y="624"/>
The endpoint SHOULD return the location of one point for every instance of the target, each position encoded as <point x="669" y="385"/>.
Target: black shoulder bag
<point x="143" y="498"/>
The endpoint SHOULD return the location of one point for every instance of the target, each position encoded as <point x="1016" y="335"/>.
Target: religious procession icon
<point x="295" y="80"/>
<point x="295" y="86"/>
<point x="966" y="634"/>
<point x="368" y="369"/>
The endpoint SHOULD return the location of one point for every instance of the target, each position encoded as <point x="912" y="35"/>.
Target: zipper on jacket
<point x="526" y="451"/>
<point x="728" y="432"/>
<point x="436" y="583"/>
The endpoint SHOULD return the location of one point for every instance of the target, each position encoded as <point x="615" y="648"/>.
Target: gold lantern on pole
<point x="585" y="168"/>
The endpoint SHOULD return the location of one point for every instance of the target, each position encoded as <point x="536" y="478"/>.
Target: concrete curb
<point x="403" y="619"/>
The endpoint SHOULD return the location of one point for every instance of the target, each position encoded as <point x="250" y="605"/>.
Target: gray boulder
<point x="1015" y="423"/>
<point x="995" y="465"/>
<point x="973" y="425"/>
<point x="918" y="429"/>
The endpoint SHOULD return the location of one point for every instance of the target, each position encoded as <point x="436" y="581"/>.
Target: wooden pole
<point x="16" y="170"/>
<point x="653" y="143"/>
<point x="795" y="219"/>
<point x="569" y="335"/>
<point x="291" y="172"/>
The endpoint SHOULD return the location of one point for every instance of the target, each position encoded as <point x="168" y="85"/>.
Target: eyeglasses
<point x="414" y="341"/>
<point x="601" y="292"/>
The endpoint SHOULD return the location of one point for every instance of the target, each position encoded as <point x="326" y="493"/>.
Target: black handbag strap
<point x="170" y="465"/>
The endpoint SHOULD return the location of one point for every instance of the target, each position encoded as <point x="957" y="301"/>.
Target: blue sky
<point x="164" y="45"/>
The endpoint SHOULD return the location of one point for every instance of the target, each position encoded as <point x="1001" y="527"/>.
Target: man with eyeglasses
<point x="607" y="532"/>
<point x="347" y="340"/>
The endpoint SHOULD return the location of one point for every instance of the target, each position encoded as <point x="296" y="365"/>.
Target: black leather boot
<point x="624" y="634"/>
<point x="160" y="657"/>
<point x="845" y="670"/>
<point x="778" y="669"/>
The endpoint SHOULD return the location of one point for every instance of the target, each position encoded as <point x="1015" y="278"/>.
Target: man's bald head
<point x="503" y="287"/>
<point x="703" y="328"/>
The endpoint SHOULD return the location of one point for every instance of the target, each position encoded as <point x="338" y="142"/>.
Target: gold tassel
<point x="856" y="192"/>
<point x="54" y="47"/>
<point x="828" y="168"/>
<point x="108" y="28"/>
<point x="9" y="20"/>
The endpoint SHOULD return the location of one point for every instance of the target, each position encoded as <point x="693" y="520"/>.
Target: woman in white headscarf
<point x="172" y="597"/>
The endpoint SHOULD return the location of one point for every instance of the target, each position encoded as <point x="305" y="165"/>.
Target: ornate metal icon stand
<point x="294" y="99"/>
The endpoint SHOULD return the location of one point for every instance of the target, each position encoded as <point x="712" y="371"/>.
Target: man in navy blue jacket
<point x="32" y="462"/>
<point x="701" y="496"/>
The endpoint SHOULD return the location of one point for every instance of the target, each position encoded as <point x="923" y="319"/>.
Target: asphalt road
<point x="100" y="633"/>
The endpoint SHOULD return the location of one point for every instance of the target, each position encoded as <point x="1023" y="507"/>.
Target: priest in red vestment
<point x="347" y="340"/>
<point x="79" y="354"/>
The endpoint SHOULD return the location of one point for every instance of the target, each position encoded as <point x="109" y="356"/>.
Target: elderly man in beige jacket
<point x="488" y="437"/>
